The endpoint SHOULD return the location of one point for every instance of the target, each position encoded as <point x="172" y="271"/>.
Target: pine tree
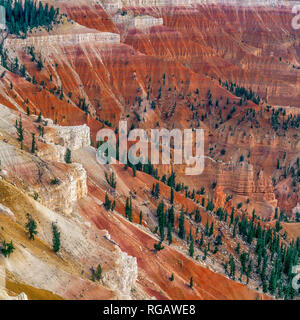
<point x="113" y="205"/>
<point x="198" y="216"/>
<point x="31" y="227"/>
<point x="107" y="203"/>
<point x="39" y="118"/>
<point x="55" y="238"/>
<point x="33" y="147"/>
<point x="98" y="273"/>
<point x="264" y="269"/>
<point x="273" y="282"/>
<point x="207" y="228"/>
<point x="7" y="248"/>
<point x="211" y="229"/>
<point x="130" y="210"/>
<point x="40" y="64"/>
<point x="172" y="196"/>
<point x="231" y="217"/>
<point x="127" y="208"/>
<point x="171" y="218"/>
<point x="111" y="180"/>
<point x="21" y="17"/>
<point x="201" y="241"/>
<point x="169" y="235"/>
<point x="232" y="267"/>
<point x="191" y="248"/>
<point x="243" y="259"/>
<point x="205" y="254"/>
<point x="172" y="277"/>
<point x="191" y="282"/>
<point x="276" y="214"/>
<point x="181" y="232"/>
<point x="265" y="286"/>
<point x="141" y="218"/>
<point x="249" y="270"/>
<point x="134" y="170"/>
<point x="158" y="246"/>
<point x="20" y="132"/>
<point x="161" y="220"/>
<point x="234" y="230"/>
<point x="68" y="156"/>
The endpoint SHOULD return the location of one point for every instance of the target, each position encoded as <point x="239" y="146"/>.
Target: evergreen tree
<point x="31" y="227"/>
<point x="107" y="202"/>
<point x="134" y="170"/>
<point x="33" y="147"/>
<point x="7" y="248"/>
<point x="111" y="180"/>
<point x="211" y="229"/>
<point x="243" y="259"/>
<point x="130" y="210"/>
<point x="231" y="217"/>
<point x="181" y="232"/>
<point x="273" y="282"/>
<point x="39" y="118"/>
<point x="205" y="254"/>
<point x="265" y="286"/>
<point x="40" y="64"/>
<point x="98" y="273"/>
<point x="141" y="218"/>
<point x="158" y="246"/>
<point x="249" y="270"/>
<point x="207" y="228"/>
<point x="68" y="156"/>
<point x="169" y="235"/>
<point x="171" y="218"/>
<point x="191" y="248"/>
<point x="20" y="132"/>
<point x="191" y="282"/>
<point x="172" y="196"/>
<point x="161" y="221"/>
<point x="201" y="241"/>
<point x="198" y="216"/>
<point x="113" y="205"/>
<point x="23" y="16"/>
<point x="127" y="208"/>
<point x="55" y="238"/>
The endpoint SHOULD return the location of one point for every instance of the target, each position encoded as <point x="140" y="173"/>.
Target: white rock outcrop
<point x="5" y="296"/>
<point x="7" y="212"/>
<point x="64" y="39"/>
<point x="70" y="189"/>
<point x="75" y="137"/>
<point x="124" y="276"/>
<point x="112" y="5"/>
<point x="141" y="22"/>
<point x="72" y="137"/>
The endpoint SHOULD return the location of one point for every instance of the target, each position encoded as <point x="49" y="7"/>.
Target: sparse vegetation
<point x="31" y="227"/>
<point x="55" y="238"/>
